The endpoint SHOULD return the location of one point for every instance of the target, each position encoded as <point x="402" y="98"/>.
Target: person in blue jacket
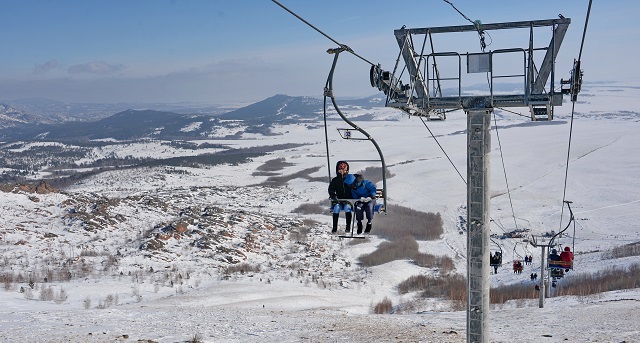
<point x="365" y="193"/>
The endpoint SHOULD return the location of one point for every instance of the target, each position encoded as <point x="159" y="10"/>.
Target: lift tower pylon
<point x="422" y="95"/>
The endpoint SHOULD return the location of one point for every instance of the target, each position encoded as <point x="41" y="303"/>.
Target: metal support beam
<point x="408" y="53"/>
<point x="484" y="27"/>
<point x="549" y="59"/>
<point x="478" y="218"/>
<point x="543" y="262"/>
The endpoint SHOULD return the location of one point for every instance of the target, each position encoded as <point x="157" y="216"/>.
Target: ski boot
<point x="368" y="228"/>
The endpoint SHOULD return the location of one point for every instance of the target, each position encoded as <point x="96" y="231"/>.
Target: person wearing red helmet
<point x="339" y="190"/>
<point x="566" y="255"/>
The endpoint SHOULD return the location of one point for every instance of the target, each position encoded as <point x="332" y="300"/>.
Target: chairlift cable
<point x="584" y="32"/>
<point x="477" y="24"/>
<point x="441" y="148"/>
<point x="506" y="180"/>
<point x="516" y="113"/>
<point x="574" y="98"/>
<point x="454" y="166"/>
<point x="345" y="47"/>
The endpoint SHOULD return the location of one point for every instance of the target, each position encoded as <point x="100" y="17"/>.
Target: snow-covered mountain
<point x="158" y="124"/>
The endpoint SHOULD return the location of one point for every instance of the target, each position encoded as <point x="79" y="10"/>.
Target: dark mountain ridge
<point x="136" y="124"/>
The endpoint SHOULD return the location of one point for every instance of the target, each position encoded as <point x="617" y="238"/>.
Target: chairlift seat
<point x="377" y="208"/>
<point x="561" y="264"/>
<point x="557" y="273"/>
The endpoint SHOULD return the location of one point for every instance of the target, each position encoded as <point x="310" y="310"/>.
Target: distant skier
<point x="495" y="260"/>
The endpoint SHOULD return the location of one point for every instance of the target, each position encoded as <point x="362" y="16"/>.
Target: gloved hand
<point x="367" y="199"/>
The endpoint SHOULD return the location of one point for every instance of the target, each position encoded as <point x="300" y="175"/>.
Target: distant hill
<point x="277" y="108"/>
<point x="11" y="117"/>
<point x="136" y="124"/>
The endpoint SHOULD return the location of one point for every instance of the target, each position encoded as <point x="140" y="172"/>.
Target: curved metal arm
<point x="571" y="219"/>
<point x="328" y="92"/>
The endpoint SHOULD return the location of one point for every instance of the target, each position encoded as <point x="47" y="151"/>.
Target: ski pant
<point x="364" y="208"/>
<point x="336" y="208"/>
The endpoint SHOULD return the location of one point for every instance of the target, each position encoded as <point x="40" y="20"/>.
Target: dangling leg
<point x="335" y="222"/>
<point x="348" y="217"/>
<point x="336" y="214"/>
<point x="369" y="211"/>
<point x="359" y="216"/>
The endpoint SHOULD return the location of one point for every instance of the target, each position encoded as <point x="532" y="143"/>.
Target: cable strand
<point x="343" y="46"/>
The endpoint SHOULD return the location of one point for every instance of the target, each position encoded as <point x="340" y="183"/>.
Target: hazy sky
<point x="217" y="51"/>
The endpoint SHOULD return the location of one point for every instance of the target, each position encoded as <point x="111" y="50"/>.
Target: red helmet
<point x="567" y="249"/>
<point x="342" y="165"/>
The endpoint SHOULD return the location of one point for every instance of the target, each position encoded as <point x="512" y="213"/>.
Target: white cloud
<point x="97" y="67"/>
<point x="46" y="67"/>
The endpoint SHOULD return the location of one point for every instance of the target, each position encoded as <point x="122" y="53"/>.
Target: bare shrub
<point x="632" y="249"/>
<point x="86" y="303"/>
<point x="7" y="280"/>
<point x="241" y="268"/>
<point x="278" y="181"/>
<point x="582" y="285"/>
<point x="135" y="292"/>
<point x="458" y="305"/>
<point x="87" y="252"/>
<point x="61" y="296"/>
<point x="405" y="247"/>
<point x="502" y="294"/>
<point x="452" y="287"/>
<point x="611" y="279"/>
<point x="274" y="165"/>
<point x="384" y="306"/>
<point x="401" y="221"/>
<point x="109" y="300"/>
<point x="310" y="222"/>
<point x="311" y="209"/>
<point x="374" y="174"/>
<point x="110" y="262"/>
<point x="425" y="260"/>
<point x="196" y="339"/>
<point x="46" y="293"/>
<point x="64" y="274"/>
<point x="299" y="235"/>
<point x="444" y="263"/>
<point x="28" y="294"/>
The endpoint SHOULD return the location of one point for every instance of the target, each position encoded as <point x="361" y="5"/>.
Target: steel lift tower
<point x="424" y="96"/>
